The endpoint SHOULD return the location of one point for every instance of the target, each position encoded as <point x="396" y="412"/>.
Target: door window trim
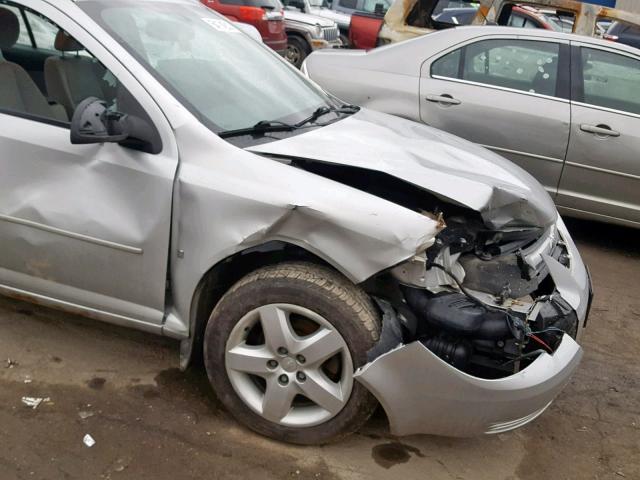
<point x="563" y="86"/>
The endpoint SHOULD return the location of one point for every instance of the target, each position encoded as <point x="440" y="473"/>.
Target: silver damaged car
<point x="320" y="258"/>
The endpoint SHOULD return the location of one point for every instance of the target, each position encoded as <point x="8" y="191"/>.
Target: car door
<point x="86" y="227"/>
<point x="601" y="178"/>
<point x="509" y="94"/>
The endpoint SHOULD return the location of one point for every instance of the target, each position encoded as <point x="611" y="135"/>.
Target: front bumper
<point x="423" y="394"/>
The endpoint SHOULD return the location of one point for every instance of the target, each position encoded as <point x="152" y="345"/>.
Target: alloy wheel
<point x="289" y="365"/>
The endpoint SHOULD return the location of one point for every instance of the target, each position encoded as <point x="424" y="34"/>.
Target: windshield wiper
<point x="266" y="126"/>
<point x="260" y="128"/>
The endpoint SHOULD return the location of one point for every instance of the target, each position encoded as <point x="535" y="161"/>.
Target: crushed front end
<point x="480" y="330"/>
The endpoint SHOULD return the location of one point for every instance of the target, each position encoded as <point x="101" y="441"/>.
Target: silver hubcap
<point x="289" y="365"/>
<point x="293" y="54"/>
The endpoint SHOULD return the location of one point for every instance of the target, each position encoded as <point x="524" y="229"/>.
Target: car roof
<point x="471" y="31"/>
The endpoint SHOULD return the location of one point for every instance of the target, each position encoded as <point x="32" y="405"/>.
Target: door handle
<point x="445" y="99"/>
<point x="602" y="130"/>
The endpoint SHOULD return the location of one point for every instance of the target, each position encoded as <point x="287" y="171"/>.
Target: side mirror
<point x="92" y="122"/>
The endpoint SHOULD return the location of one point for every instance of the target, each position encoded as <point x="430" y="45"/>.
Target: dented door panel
<point x="86" y="225"/>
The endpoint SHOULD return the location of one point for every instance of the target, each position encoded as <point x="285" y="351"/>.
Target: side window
<point x="611" y="80"/>
<point x="44" y="32"/>
<point x="48" y="80"/>
<point x="373" y="6"/>
<point x="23" y="39"/>
<point x="447" y="66"/>
<point x="350" y="4"/>
<point x="527" y="65"/>
<point x="429" y="14"/>
<point x="516" y="20"/>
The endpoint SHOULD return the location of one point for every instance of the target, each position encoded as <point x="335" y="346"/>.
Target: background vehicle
<point x="322" y="9"/>
<point x="364" y="29"/>
<point x="624" y="33"/>
<point x="353" y="6"/>
<point x="307" y="32"/>
<point x="266" y="16"/>
<point x="411" y="18"/>
<point x="512" y="93"/>
<point x="521" y="17"/>
<point x="189" y="197"/>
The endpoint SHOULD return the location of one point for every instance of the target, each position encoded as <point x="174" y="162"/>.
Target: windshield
<point x="228" y="80"/>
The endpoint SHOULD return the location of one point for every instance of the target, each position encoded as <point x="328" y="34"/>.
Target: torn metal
<point x="273" y="201"/>
<point x="443" y="378"/>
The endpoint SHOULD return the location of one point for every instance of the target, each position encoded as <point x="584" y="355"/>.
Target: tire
<point x="297" y="51"/>
<point x="312" y="294"/>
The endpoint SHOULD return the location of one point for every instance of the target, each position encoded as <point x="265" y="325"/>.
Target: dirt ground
<point x="151" y="421"/>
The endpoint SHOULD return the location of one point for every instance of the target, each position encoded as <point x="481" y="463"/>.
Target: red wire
<point x="541" y="342"/>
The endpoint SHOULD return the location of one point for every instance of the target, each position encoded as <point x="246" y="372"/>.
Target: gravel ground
<point x="151" y="421"/>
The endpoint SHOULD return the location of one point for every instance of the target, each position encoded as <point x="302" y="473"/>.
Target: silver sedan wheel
<point x="289" y="365"/>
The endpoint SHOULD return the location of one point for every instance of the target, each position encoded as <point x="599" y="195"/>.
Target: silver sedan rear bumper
<point x="423" y="394"/>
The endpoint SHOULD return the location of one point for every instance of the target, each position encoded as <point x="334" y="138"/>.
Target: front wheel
<point x="281" y="348"/>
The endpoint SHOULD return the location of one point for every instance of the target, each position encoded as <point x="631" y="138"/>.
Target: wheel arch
<point x="221" y="276"/>
<point x="301" y="35"/>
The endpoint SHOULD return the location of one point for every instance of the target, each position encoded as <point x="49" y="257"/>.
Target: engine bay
<point x="484" y="300"/>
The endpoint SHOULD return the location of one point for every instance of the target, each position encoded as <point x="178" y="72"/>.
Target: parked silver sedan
<point x="564" y="107"/>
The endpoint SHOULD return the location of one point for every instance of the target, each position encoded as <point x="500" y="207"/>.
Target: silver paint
<point x="545" y="135"/>
<point x="202" y="200"/>
<point x="424" y="394"/>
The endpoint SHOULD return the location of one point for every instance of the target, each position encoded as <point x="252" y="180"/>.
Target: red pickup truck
<point x="266" y="15"/>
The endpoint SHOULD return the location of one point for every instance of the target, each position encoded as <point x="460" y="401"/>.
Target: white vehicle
<point x="319" y="9"/>
<point x="307" y="32"/>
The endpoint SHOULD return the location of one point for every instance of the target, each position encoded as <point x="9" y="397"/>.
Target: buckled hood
<point x="449" y="167"/>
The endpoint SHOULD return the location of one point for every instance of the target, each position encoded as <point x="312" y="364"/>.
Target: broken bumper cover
<point x="423" y="394"/>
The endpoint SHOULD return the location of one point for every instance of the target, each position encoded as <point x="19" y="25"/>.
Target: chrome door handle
<point x="603" y="130"/>
<point x="444" y="99"/>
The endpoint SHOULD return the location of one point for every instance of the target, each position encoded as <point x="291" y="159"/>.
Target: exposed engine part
<point x="492" y="276"/>
<point x="415" y="272"/>
<point x="455" y="313"/>
<point x="552" y="318"/>
<point x="487" y="341"/>
<point x="453" y="351"/>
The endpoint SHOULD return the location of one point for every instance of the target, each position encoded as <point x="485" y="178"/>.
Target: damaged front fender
<point x="218" y="213"/>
